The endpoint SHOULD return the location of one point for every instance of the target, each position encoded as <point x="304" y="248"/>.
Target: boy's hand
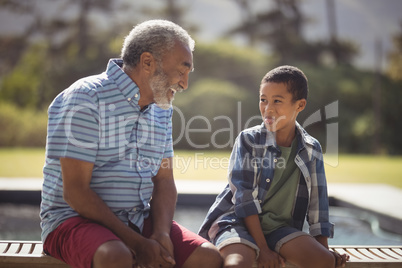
<point x="340" y="260"/>
<point x="270" y="259"/>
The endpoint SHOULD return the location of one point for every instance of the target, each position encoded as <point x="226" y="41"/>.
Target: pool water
<point x="352" y="227"/>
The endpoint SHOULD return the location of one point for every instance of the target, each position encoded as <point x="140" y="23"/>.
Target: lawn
<point x="209" y="165"/>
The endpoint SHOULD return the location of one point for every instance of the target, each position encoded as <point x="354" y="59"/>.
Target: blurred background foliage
<point x="57" y="49"/>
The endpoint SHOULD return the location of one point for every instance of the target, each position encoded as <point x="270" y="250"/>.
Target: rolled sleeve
<point x="318" y="215"/>
<point x="243" y="178"/>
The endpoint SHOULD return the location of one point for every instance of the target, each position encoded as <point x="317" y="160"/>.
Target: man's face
<point x="162" y="89"/>
<point x="171" y="75"/>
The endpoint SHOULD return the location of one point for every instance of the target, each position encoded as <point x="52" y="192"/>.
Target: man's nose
<point x="183" y="83"/>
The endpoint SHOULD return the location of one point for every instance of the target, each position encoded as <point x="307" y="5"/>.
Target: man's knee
<point x="113" y="253"/>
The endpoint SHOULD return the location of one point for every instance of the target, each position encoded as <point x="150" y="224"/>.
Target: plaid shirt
<point x="250" y="175"/>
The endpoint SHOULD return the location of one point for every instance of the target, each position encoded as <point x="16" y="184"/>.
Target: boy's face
<point x="277" y="108"/>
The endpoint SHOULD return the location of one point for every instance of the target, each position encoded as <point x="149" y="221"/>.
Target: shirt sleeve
<point x="243" y="177"/>
<point x="73" y="125"/>
<point x="318" y="212"/>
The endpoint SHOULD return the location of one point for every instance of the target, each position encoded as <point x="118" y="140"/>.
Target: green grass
<point x="209" y="165"/>
<point x="21" y="162"/>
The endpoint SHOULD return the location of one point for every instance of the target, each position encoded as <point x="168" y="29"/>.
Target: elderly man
<point x="109" y="195"/>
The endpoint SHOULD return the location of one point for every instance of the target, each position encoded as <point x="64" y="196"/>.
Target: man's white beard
<point x="160" y="88"/>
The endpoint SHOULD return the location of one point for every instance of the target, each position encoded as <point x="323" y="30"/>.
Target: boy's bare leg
<point x="305" y="252"/>
<point x="205" y="255"/>
<point x="238" y="255"/>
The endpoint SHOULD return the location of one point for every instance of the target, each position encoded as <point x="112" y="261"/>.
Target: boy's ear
<point x="301" y="104"/>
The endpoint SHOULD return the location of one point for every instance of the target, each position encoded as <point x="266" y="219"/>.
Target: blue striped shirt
<point x="98" y="120"/>
<point x="250" y="175"/>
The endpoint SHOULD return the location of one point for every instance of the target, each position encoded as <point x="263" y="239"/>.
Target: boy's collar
<point x="270" y="136"/>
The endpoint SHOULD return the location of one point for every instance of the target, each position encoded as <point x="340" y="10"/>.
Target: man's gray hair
<point x="154" y="36"/>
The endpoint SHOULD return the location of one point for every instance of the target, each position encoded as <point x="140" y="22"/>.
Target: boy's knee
<point x="209" y="251"/>
<point x="113" y="254"/>
<point x="206" y="255"/>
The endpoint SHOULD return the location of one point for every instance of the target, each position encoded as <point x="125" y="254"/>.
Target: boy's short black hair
<point x="293" y="77"/>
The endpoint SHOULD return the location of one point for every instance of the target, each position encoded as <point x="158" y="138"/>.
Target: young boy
<point x="276" y="179"/>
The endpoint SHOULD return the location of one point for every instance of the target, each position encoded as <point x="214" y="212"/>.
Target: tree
<point x="69" y="46"/>
<point x="174" y="11"/>
<point x="395" y="58"/>
<point x="282" y="28"/>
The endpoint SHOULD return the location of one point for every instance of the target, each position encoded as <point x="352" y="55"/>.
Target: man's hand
<point x="149" y="253"/>
<point x="164" y="240"/>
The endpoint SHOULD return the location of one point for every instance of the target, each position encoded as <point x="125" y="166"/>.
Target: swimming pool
<point x="352" y="227"/>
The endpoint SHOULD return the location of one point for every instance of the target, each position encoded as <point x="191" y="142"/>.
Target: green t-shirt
<point x="278" y="203"/>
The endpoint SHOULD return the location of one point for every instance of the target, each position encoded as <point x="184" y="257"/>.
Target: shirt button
<point x="129" y="99"/>
<point x="267" y="180"/>
<point x="136" y="96"/>
<point x="275" y="160"/>
<point x="233" y="220"/>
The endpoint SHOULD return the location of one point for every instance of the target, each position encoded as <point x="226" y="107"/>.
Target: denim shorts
<point x="238" y="234"/>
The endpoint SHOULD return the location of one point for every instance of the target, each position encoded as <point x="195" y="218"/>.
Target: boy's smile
<point x="279" y="111"/>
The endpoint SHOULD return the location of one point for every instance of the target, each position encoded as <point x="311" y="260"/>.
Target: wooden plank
<point x="13" y="248"/>
<point x="342" y="251"/>
<point x="38" y="249"/>
<point x="397" y="251"/>
<point x="380" y="254"/>
<point x="390" y="253"/>
<point x="3" y="247"/>
<point x="23" y="253"/>
<point x="26" y="248"/>
<point x="357" y="254"/>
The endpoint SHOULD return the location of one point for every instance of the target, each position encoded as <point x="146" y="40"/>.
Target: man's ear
<point x="147" y="62"/>
<point x="301" y="104"/>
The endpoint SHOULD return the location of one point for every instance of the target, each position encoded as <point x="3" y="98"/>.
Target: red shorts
<point x="76" y="240"/>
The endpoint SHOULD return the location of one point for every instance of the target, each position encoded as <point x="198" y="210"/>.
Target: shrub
<point x="22" y="127"/>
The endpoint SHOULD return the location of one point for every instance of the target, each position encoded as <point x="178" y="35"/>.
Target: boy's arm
<point x="323" y="240"/>
<point x="266" y="256"/>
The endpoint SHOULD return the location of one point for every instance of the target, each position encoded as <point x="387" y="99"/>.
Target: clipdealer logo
<point x="117" y="126"/>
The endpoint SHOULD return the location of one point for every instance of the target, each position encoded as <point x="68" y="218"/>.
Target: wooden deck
<point x="26" y="254"/>
<point x="30" y="254"/>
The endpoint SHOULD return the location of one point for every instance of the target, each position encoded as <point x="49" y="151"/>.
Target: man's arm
<point x="77" y="193"/>
<point x="163" y="204"/>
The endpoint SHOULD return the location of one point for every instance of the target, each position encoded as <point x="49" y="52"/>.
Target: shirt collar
<point x="269" y="137"/>
<point x="126" y="85"/>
